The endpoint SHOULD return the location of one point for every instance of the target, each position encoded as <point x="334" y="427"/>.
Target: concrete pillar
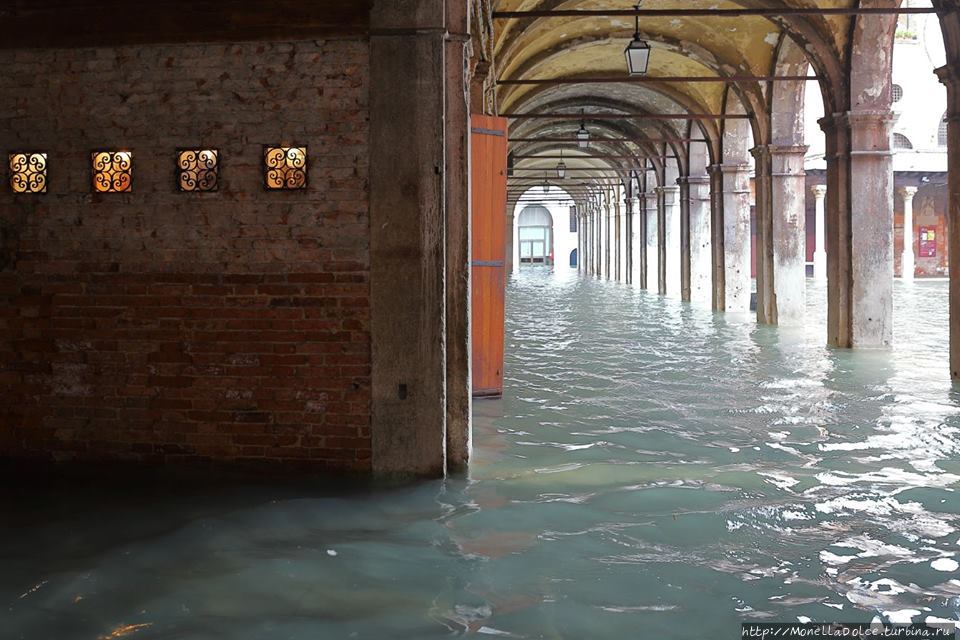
<point x="789" y="233"/>
<point x="908" y="259"/>
<point x="700" y="240"/>
<point x="735" y="233"/>
<point x="652" y="242"/>
<point x="859" y="229"/>
<point x="820" y="250"/>
<point x="408" y="226"/>
<point x="459" y="356"/>
<point x="950" y="76"/>
<point x="670" y="241"/>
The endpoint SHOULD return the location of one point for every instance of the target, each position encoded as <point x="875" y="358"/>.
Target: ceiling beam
<point x="649" y="79"/>
<point x="626" y="116"/>
<point x="710" y="13"/>
<point x="573" y="141"/>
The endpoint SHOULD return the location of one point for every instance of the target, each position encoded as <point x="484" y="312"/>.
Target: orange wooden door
<point x="489" y="201"/>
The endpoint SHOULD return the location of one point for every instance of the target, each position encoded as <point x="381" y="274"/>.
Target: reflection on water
<point x="653" y="469"/>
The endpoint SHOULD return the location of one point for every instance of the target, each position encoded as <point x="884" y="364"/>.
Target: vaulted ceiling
<point x="565" y="48"/>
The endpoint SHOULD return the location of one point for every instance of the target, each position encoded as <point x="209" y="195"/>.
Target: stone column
<point x="608" y="236"/>
<point x="950" y="76"/>
<point x="859" y="229"/>
<point x="908" y="260"/>
<point x="700" y="241"/>
<point x="763" y="181"/>
<point x="408" y="271"/>
<point x="652" y="242"/>
<point x="718" y="268"/>
<point x="735" y="230"/>
<point x="789" y="233"/>
<point x="629" y="243"/>
<point x="640" y="239"/>
<point x="685" y="257"/>
<point x="670" y="237"/>
<point x="509" y="246"/>
<point x="820" y="251"/>
<point x="598" y="239"/>
<point x="617" y="236"/>
<point x="459" y="356"/>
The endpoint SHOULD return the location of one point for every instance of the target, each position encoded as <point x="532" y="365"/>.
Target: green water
<point x="653" y="471"/>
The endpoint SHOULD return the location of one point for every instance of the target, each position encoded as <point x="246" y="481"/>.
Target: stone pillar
<point x="908" y="260"/>
<point x="509" y="247"/>
<point x="617" y="241"/>
<point x="700" y="241"/>
<point x="950" y="76"/>
<point x="598" y="240"/>
<point x="629" y="243"/>
<point x="459" y="356"/>
<point x="685" y="257"/>
<point x="820" y="250"/>
<point x="859" y="229"/>
<point x="640" y="239"/>
<point x="789" y="233"/>
<point x="718" y="268"/>
<point x="735" y="231"/>
<point x="763" y="181"/>
<point x="652" y="242"/>
<point x="670" y="241"/>
<point x="607" y="236"/>
<point x="408" y="236"/>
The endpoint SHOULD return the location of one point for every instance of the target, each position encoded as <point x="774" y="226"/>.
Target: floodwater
<point x="652" y="471"/>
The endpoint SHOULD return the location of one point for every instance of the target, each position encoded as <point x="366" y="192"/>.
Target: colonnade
<point x="689" y="236"/>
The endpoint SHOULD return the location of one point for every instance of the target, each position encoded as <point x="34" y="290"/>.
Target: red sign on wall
<point x="928" y="242"/>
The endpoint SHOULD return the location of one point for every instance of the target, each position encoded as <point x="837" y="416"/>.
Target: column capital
<point x="729" y="168"/>
<point x="692" y="180"/>
<point x="949" y="74"/>
<point x="789" y="150"/>
<point x="908" y="192"/>
<point x="819" y="191"/>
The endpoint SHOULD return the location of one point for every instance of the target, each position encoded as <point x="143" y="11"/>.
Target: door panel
<point x="489" y="201"/>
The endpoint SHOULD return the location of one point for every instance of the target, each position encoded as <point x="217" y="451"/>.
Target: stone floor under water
<point x="651" y="468"/>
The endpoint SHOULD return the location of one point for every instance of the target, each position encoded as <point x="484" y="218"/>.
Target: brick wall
<point x="162" y="326"/>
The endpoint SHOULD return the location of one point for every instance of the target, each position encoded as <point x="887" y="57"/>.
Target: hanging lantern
<point x="638" y="52"/>
<point x="546" y="184"/>
<point x="509" y="165"/>
<point x="561" y="167"/>
<point x="583" y="136"/>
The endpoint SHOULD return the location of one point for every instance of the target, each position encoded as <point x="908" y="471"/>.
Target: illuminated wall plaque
<point x="198" y="169"/>
<point x="112" y="171"/>
<point x="28" y="172"/>
<point x="285" y="168"/>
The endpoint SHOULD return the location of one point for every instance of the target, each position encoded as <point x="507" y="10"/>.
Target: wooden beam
<point x="709" y="13"/>
<point x="92" y="23"/>
<point x="649" y="79"/>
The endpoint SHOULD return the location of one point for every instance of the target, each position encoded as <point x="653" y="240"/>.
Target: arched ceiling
<point x="552" y="48"/>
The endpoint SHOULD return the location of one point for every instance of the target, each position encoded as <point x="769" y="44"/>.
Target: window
<point x="943" y="132"/>
<point x="28" y="172"/>
<point x="285" y="168"/>
<point x="112" y="171"/>
<point x="198" y="169"/>
<point x="897" y="93"/>
<point x="901" y="141"/>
